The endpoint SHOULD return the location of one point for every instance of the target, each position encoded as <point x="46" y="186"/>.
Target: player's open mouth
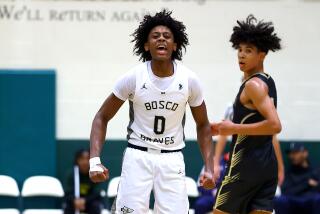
<point x="161" y="49"/>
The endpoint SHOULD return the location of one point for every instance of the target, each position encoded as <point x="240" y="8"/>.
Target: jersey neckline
<point x="174" y="76"/>
<point x="253" y="75"/>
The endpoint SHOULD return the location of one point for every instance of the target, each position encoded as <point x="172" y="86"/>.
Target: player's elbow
<point x="276" y="127"/>
<point x="100" y="119"/>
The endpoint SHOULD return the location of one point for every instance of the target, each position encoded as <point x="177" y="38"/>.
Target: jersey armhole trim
<point x="118" y="95"/>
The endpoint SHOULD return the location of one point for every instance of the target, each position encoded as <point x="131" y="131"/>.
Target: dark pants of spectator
<point x="297" y="204"/>
<point x="203" y="204"/>
<point x="94" y="207"/>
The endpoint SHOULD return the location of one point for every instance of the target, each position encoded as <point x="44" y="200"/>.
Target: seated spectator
<point x="301" y="187"/>
<point x="205" y="201"/>
<point x="90" y="200"/>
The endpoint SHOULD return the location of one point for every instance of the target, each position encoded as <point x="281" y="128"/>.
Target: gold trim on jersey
<point x="236" y="156"/>
<point x="235" y="159"/>
<point x="262" y="73"/>
<point x="222" y="199"/>
<point x="265" y="75"/>
<point x="229" y="179"/>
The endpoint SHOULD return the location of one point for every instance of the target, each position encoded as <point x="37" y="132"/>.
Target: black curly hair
<point x="260" y="34"/>
<point x="148" y="23"/>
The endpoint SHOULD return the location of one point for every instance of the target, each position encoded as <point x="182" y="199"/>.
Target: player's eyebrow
<point x="165" y="32"/>
<point x="249" y="46"/>
<point x="244" y="45"/>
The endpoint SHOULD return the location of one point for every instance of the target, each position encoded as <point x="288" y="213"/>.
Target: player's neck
<point x="162" y="68"/>
<point x="254" y="71"/>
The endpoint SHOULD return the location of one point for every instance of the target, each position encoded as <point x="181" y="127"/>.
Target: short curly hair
<point x="148" y="23"/>
<point x="260" y="34"/>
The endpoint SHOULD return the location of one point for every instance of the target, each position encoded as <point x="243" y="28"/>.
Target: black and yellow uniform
<point x="251" y="177"/>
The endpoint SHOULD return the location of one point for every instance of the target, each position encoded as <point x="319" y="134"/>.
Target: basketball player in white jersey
<point x="158" y="91"/>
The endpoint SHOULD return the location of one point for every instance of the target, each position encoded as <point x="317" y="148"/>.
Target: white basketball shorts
<point x="144" y="171"/>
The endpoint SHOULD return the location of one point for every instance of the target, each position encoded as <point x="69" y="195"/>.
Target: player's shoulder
<point x="256" y="85"/>
<point x="263" y="77"/>
<point x="182" y="68"/>
<point x="131" y="74"/>
<point x="187" y="72"/>
<point x="141" y="67"/>
<point x="267" y="78"/>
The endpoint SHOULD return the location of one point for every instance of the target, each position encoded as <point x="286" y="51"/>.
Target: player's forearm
<point x="98" y="134"/>
<point x="219" y="148"/>
<point x="277" y="151"/>
<point x="264" y="127"/>
<point x="206" y="145"/>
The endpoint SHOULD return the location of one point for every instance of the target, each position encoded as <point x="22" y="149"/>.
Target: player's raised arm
<point x="205" y="143"/>
<point x="110" y="107"/>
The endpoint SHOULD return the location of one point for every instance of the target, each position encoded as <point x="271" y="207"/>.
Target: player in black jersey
<point x="251" y="178"/>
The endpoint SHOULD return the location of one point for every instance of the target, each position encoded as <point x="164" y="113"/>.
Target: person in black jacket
<point x="301" y="187"/>
<point x="90" y="200"/>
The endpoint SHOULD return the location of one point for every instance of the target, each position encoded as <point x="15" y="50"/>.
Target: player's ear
<point x="262" y="55"/>
<point x="174" y="46"/>
<point x="146" y="46"/>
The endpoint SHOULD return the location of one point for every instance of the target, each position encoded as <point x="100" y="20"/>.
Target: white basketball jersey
<point x="157" y="116"/>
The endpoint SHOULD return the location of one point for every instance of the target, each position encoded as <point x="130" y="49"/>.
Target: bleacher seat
<point x="192" y="190"/>
<point x="42" y="186"/>
<point x="9" y="211"/>
<point x="113" y="190"/>
<point x="105" y="211"/>
<point x="42" y="211"/>
<point x="113" y="187"/>
<point x="9" y="187"/>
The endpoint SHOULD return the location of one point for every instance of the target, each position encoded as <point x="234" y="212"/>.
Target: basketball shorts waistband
<point x="146" y="149"/>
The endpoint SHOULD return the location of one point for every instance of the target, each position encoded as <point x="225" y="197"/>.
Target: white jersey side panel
<point x="157" y="116"/>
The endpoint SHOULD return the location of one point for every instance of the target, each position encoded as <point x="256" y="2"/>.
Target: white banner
<point x="88" y="43"/>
